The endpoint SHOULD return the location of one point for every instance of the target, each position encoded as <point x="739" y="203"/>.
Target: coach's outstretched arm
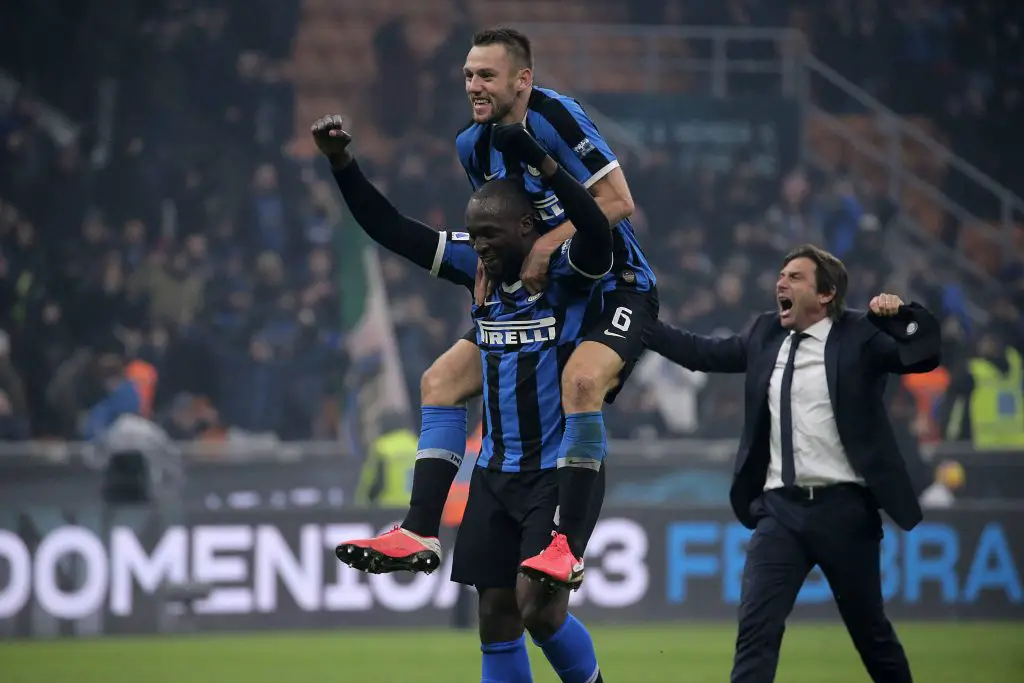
<point x="591" y="249"/>
<point x="699" y="352"/>
<point x="375" y="214"/>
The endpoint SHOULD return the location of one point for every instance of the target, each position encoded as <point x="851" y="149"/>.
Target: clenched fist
<point x="332" y="139"/>
<point x="885" y="304"/>
<point x="515" y="140"/>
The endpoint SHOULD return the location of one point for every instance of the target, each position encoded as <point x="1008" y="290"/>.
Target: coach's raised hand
<point x="886" y="305"/>
<point x="512" y="139"/>
<point x="333" y="140"/>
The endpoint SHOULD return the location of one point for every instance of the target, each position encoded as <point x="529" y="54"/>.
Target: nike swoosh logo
<point x="614" y="334"/>
<point x="492" y="176"/>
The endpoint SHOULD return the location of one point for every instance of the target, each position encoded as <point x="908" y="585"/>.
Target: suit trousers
<point x="839" y="529"/>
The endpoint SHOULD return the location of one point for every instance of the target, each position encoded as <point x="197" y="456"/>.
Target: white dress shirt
<point x="818" y="455"/>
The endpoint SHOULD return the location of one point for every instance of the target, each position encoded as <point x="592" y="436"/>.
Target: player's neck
<point x="512" y="273"/>
<point x="514" y="267"/>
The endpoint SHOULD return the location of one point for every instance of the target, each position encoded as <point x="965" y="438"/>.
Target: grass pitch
<point x="695" y="653"/>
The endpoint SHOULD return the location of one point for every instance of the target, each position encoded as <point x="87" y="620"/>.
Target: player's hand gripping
<point x="885" y="305"/>
<point x="333" y="140"/>
<point x="535" y="268"/>
<point x="482" y="286"/>
<point x="514" y="140"/>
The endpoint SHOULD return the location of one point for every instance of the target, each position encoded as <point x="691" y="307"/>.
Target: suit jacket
<point x="861" y="350"/>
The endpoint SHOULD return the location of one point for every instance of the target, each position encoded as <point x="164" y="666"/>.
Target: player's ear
<point x="526" y="224"/>
<point x="525" y="79"/>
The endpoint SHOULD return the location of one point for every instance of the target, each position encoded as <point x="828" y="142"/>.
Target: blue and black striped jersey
<point x="565" y="131"/>
<point x="525" y="340"/>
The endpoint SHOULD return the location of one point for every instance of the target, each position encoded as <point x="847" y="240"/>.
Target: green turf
<point x="693" y="653"/>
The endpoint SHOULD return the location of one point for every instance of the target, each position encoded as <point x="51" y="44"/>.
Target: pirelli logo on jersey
<point x="517" y="332"/>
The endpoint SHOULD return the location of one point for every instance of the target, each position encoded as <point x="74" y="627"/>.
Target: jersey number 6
<point x="620" y="320"/>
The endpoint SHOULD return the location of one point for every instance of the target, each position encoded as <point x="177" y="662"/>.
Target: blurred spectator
<point x="120" y="396"/>
<point x="985" y="402"/>
<point x="949" y="478"/>
<point x="10" y="381"/>
<point x="13" y="426"/>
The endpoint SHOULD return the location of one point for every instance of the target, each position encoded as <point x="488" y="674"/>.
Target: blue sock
<point x="441" y="449"/>
<point x="571" y="653"/>
<point x="506" y="662"/>
<point x="580" y="459"/>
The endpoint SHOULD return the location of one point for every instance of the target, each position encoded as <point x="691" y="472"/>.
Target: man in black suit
<point x="817" y="455"/>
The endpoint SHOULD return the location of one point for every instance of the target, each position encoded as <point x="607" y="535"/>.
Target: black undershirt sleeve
<point x="382" y="221"/>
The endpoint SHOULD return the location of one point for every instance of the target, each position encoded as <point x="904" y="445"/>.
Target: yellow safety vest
<point x="997" y="404"/>
<point x="388" y="470"/>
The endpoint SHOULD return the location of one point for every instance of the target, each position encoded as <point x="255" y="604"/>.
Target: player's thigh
<point x="612" y="347"/>
<point x="487" y="545"/>
<point x="455" y="376"/>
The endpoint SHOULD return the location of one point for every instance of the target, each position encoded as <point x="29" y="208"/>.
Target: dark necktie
<point x="786" y="414"/>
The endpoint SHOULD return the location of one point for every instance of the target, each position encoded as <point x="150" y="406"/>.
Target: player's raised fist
<point x="514" y="139"/>
<point x="331" y="138"/>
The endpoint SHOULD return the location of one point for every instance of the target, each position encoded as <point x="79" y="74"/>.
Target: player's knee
<point x="433" y="387"/>
<point x="584" y="388"/>
<point x="440" y="387"/>
<point x="500" y="621"/>
<point x="543" y="618"/>
<point x="453" y="378"/>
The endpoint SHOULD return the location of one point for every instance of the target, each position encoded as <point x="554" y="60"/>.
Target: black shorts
<point x="509" y="517"/>
<point x="627" y="315"/>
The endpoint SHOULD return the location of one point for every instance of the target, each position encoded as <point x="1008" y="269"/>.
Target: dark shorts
<point x="627" y="315"/>
<point x="626" y="319"/>
<point x="509" y="517"/>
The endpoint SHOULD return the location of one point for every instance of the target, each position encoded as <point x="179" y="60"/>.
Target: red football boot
<point x="555" y="565"/>
<point x="397" y="550"/>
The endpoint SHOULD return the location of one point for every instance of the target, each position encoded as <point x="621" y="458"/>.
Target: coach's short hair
<point x="517" y="44"/>
<point x="509" y="193"/>
<point x="829" y="275"/>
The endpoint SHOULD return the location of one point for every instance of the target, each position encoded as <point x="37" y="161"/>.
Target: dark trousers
<point x="841" y="531"/>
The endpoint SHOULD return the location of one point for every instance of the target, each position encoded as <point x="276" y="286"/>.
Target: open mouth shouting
<point x="785" y="307"/>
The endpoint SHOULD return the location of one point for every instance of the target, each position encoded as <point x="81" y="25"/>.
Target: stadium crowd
<point x="178" y="262"/>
